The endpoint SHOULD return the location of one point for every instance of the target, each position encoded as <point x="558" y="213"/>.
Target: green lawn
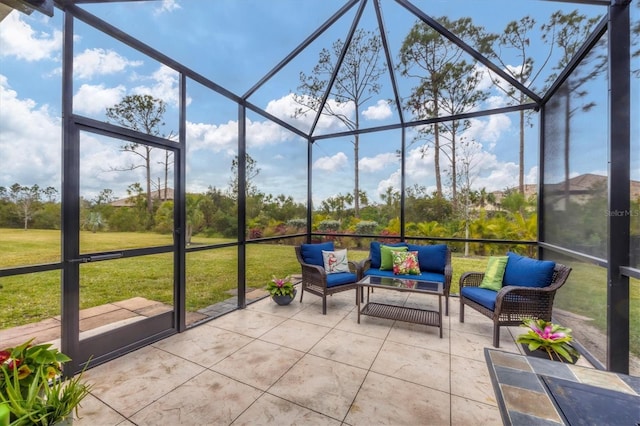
<point x="211" y="275"/>
<point x="585" y="294"/>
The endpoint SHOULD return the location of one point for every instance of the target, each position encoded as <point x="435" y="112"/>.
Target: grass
<point x="585" y="294"/>
<point x="211" y="276"/>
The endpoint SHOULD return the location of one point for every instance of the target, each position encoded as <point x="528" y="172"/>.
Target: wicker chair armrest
<point x="525" y="299"/>
<point x="354" y="268"/>
<point x="513" y="292"/>
<point x="448" y="273"/>
<point x="471" y="279"/>
<point x="365" y="264"/>
<point x="307" y="268"/>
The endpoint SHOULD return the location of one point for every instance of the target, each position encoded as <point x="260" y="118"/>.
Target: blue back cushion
<point x="527" y="272"/>
<point x="312" y="253"/>
<point x="431" y="258"/>
<point x="374" y="252"/>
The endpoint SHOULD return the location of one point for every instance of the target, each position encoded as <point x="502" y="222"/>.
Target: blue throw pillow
<point x="527" y="272"/>
<point x="312" y="253"/>
<point x="431" y="258"/>
<point x="374" y="252"/>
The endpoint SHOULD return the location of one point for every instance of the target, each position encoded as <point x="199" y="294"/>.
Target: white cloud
<point x="93" y="62"/>
<point x="393" y="181"/>
<point x="498" y="176"/>
<point x="262" y="133"/>
<point x="532" y="176"/>
<point x="164" y="86"/>
<point x="285" y="108"/>
<point x="167" y="6"/>
<point x="379" y="162"/>
<point x="420" y="165"/>
<point x="204" y="136"/>
<point x="485" y="77"/>
<point x="224" y="137"/>
<point x="380" y="111"/>
<point x="18" y="39"/>
<point x="331" y="164"/>
<point x="488" y="130"/>
<point x="94" y="99"/>
<point x="30" y="141"/>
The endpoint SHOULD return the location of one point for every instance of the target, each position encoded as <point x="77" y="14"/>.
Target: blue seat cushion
<point x="482" y="296"/>
<point x="431" y="258"/>
<point x="527" y="272"/>
<point x="374" y="252"/>
<point x="340" y="278"/>
<point x="424" y="276"/>
<point x="312" y="253"/>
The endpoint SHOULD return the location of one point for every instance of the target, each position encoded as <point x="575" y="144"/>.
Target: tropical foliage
<point x="32" y="389"/>
<point x="280" y="286"/>
<point x="548" y="337"/>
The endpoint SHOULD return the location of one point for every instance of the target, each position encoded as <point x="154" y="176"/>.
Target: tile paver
<point x="280" y="365"/>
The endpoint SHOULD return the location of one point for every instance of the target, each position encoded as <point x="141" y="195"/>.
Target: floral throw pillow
<point x="405" y="263"/>
<point x="335" y="261"/>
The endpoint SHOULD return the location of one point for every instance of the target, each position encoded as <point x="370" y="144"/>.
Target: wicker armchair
<point x="513" y="304"/>
<point x="314" y="280"/>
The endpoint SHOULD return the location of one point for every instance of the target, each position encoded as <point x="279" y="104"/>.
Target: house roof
<point x="155" y="195"/>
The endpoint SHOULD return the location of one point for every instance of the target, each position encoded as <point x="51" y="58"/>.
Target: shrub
<point x="329" y="225"/>
<point x="297" y="224"/>
<point x="366" y="227"/>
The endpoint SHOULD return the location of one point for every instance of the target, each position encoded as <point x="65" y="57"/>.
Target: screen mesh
<point x="575" y="159"/>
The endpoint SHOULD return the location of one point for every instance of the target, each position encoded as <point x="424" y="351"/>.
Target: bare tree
<point x="447" y="85"/>
<point x="356" y="82"/>
<point x="469" y="160"/>
<point x="252" y="171"/>
<point x="26" y="199"/>
<point x="144" y="114"/>
<point x="568" y="32"/>
<point x="515" y="40"/>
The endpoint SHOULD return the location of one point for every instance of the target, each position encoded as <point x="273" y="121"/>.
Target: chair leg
<point x="324" y="304"/>
<point x="461" y="310"/>
<point x="446" y="306"/>
<point x="496" y="335"/>
<point x="301" y="292"/>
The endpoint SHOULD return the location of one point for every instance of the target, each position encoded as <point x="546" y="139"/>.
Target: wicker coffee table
<point x="400" y="313"/>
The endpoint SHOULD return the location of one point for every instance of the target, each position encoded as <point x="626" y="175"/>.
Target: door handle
<point x="97" y="258"/>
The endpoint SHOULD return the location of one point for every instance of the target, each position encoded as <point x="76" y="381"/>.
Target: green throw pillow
<point x="386" y="260"/>
<point x="495" y="271"/>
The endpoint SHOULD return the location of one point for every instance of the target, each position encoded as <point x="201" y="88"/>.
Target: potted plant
<point x="32" y="390"/>
<point x="548" y="338"/>
<point x="281" y="290"/>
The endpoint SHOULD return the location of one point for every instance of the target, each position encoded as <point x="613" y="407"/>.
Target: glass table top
<point x="402" y="283"/>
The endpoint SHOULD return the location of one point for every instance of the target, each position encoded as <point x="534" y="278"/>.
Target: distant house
<point x="580" y="188"/>
<point x="159" y="195"/>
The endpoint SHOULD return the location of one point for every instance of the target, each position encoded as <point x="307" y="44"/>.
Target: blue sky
<point x="234" y="44"/>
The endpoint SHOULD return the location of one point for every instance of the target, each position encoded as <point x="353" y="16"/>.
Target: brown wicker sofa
<point x="435" y="265"/>
<point x="513" y="303"/>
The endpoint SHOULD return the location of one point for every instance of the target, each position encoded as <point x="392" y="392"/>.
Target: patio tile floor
<point x="282" y="365"/>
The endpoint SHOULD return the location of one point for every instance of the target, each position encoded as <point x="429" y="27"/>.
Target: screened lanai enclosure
<point x="159" y="160"/>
